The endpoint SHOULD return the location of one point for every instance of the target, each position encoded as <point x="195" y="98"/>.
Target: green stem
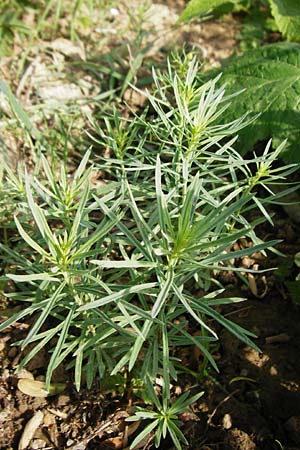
<point x="203" y="371"/>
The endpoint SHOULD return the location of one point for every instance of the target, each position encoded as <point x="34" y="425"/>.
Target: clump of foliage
<point x="269" y="74"/>
<point x="47" y="16"/>
<point x="120" y="275"/>
<point x="286" y="13"/>
<point x="10" y="24"/>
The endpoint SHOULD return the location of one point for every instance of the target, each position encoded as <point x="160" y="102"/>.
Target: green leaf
<point x="37" y="347"/>
<point x="53" y="363"/>
<point x="166" y="361"/>
<point x="78" y="367"/>
<point x="216" y="256"/>
<point x="235" y="329"/>
<point x="40" y="220"/>
<point x="144" y="433"/>
<point x="79" y="214"/>
<point x="271" y="77"/>
<point x="192" y="312"/>
<point x="102" y="230"/>
<point x="129" y="235"/>
<point x="163" y="294"/>
<point x="82" y="166"/>
<point x="200" y="7"/>
<point x="146" y="287"/>
<point x="287" y="17"/>
<point x="32" y="277"/>
<point x="138" y="343"/>
<point x="197" y="343"/>
<point x="19" y="111"/>
<point x="29" y="240"/>
<point x="25" y="312"/>
<point x="183" y="402"/>
<point x="163" y="213"/>
<point x="125" y="264"/>
<point x="175" y="433"/>
<point x="43" y="316"/>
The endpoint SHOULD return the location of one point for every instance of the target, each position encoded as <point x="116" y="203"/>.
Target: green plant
<point x="165" y="419"/>
<point x="10" y="24"/>
<point x="270" y="76"/>
<point x="255" y="26"/>
<point x="121" y="275"/>
<point x="286" y="13"/>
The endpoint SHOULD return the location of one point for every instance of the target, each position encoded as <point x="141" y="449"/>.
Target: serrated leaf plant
<point x="119" y="276"/>
<point x="270" y="76"/>
<point x="286" y="13"/>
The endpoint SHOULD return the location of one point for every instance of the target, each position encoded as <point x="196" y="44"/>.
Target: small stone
<point x="59" y="93"/>
<point x="49" y="419"/>
<point x="25" y="374"/>
<point x="62" y="400"/>
<point x="227" y="422"/>
<point x="273" y="371"/>
<point x="69" y="48"/>
<point x="37" y="444"/>
<point x="239" y="440"/>
<point x="12" y="352"/>
<point x="114" y="12"/>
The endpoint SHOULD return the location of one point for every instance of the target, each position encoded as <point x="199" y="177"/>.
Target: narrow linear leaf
<point x="127" y="264"/>
<point x="176" y="434"/>
<point x="32" y="277"/>
<point x="146" y="287"/>
<point x="25" y="312"/>
<point x="62" y="337"/>
<point x="19" y="111"/>
<point x="29" y="240"/>
<point x="102" y="230"/>
<point x="144" y="433"/>
<point x="43" y="316"/>
<point x="187" y="306"/>
<point x="139" y="343"/>
<point x="163" y="294"/>
<point x="40" y="220"/>
<point x="236" y="330"/>
<point x="163" y="213"/>
<point x="79" y="214"/>
<point x="78" y="367"/>
<point x="198" y="344"/>
<point x="38" y="347"/>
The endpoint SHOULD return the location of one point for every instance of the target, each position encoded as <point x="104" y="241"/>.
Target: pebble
<point x="227" y="422"/>
<point x="62" y="400"/>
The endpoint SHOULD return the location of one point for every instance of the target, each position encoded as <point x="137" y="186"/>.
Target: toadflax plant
<point x="112" y="274"/>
